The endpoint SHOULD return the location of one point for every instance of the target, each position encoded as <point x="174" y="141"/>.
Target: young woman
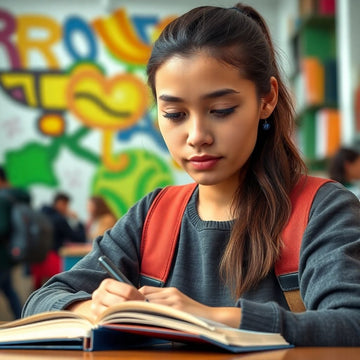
<point x="227" y="119"/>
<point x="101" y="218"/>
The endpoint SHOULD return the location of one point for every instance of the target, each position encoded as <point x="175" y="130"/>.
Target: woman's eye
<point x="174" y="115"/>
<point x="223" y="112"/>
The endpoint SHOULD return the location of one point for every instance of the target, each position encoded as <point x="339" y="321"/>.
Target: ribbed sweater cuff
<point x="63" y="302"/>
<point x="259" y="317"/>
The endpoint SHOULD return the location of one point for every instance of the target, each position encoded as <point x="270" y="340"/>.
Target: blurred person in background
<point x="101" y="218"/>
<point x="6" y="263"/>
<point x="345" y="168"/>
<point x="67" y="229"/>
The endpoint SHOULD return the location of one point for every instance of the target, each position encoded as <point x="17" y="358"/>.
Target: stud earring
<point x="266" y="126"/>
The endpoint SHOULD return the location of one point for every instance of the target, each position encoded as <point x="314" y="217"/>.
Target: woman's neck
<point x="215" y="202"/>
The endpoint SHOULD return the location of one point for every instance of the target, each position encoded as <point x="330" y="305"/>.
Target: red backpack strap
<point x="286" y="268"/>
<point x="160" y="233"/>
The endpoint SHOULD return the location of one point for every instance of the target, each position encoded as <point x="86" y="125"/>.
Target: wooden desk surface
<point x="185" y="353"/>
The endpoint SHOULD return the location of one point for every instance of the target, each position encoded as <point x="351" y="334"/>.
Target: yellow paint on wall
<point x="53" y="91"/>
<point x="23" y="81"/>
<point x="52" y="124"/>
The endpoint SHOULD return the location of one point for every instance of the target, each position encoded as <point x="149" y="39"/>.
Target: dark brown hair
<point x="239" y="36"/>
<point x="337" y="170"/>
<point x="60" y="196"/>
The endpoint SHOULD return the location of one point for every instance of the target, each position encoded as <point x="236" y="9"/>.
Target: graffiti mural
<point x="76" y="112"/>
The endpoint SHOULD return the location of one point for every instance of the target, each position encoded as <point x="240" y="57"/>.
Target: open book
<point x="131" y="324"/>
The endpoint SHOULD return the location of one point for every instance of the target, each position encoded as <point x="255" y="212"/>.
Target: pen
<point x="112" y="270"/>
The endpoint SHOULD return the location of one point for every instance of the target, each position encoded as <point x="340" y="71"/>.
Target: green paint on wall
<point x="32" y="164"/>
<point x="146" y="171"/>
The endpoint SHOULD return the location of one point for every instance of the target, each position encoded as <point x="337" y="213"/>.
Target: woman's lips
<point x="203" y="162"/>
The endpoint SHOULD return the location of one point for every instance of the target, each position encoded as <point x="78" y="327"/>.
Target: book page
<point x="155" y="321"/>
<point x="49" y="315"/>
<point x="223" y="334"/>
<point x="60" y="328"/>
<point x="114" y="312"/>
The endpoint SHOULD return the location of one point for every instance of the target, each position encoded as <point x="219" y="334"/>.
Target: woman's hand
<point x="230" y="316"/>
<point x="110" y="292"/>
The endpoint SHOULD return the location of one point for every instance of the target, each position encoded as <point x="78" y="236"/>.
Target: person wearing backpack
<point x="66" y="229"/>
<point x="6" y="261"/>
<point x="227" y="119"/>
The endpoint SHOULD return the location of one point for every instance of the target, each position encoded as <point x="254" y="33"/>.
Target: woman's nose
<point x="199" y="133"/>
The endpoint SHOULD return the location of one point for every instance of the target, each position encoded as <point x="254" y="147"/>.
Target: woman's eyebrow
<point x="212" y="95"/>
<point x="219" y="93"/>
<point x="170" y="98"/>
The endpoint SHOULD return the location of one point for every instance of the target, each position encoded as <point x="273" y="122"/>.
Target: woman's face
<point x="352" y="169"/>
<point x="208" y="115"/>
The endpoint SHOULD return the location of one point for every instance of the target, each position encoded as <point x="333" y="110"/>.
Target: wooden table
<point x="299" y="353"/>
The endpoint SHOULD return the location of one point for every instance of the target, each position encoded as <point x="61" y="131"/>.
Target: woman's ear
<point x="269" y="101"/>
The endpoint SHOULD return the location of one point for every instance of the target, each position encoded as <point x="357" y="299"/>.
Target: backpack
<point x="30" y="235"/>
<point x="158" y="242"/>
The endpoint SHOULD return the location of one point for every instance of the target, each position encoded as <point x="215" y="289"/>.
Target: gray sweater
<point x="329" y="271"/>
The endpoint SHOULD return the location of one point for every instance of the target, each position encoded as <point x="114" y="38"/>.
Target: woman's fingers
<point x="171" y="297"/>
<point x="111" y="292"/>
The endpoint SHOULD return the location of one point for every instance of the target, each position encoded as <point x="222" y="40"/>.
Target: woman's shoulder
<point x="333" y="191"/>
<point x="140" y="208"/>
<point x="334" y="208"/>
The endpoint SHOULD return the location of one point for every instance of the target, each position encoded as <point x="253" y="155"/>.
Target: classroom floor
<point x="23" y="284"/>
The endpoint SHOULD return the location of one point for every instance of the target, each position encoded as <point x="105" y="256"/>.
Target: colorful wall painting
<point x="76" y="113"/>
